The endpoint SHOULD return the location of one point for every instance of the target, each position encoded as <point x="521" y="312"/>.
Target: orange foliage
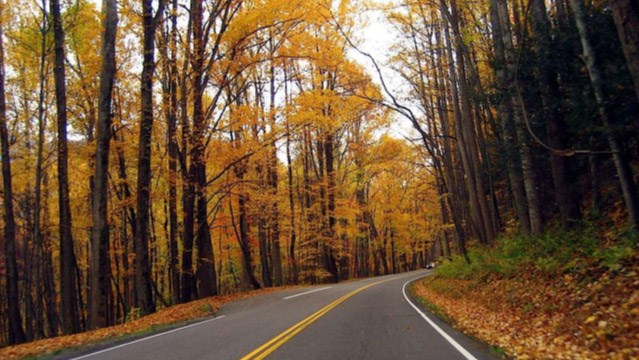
<point x="532" y="318"/>
<point x="172" y="315"/>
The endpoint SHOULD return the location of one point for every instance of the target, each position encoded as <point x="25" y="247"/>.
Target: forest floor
<point x="162" y="319"/>
<point x="590" y="311"/>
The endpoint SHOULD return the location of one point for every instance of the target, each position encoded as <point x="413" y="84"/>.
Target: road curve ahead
<point x="365" y="319"/>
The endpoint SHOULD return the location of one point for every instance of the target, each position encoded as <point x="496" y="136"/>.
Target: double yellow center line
<point x="272" y="345"/>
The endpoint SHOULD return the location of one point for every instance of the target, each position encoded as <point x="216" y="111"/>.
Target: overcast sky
<point x="377" y="38"/>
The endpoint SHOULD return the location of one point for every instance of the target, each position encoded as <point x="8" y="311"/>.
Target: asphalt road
<point x="364" y="319"/>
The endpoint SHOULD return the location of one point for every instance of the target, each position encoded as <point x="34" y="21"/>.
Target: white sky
<point x="376" y="39"/>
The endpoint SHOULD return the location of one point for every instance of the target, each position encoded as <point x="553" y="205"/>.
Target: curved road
<point x="366" y="319"/>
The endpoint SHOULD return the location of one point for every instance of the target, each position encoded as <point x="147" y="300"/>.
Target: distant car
<point x="430" y="265"/>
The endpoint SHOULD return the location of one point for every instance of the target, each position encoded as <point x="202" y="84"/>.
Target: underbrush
<point x="557" y="296"/>
<point x="555" y="253"/>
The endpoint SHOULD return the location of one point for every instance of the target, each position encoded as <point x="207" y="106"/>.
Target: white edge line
<point x="147" y="338"/>
<point x="452" y="341"/>
<point x="305" y="293"/>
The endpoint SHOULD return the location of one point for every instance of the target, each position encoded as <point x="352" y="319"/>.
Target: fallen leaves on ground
<point x="531" y="317"/>
<point x="170" y="315"/>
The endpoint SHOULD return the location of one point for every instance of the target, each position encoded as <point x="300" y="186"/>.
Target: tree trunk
<point x="49" y="282"/>
<point x="519" y="111"/>
<point x="173" y="158"/>
<point x="331" y="189"/>
<point x="291" y="203"/>
<point x="561" y="166"/>
<point x="506" y="112"/>
<point x="626" y="16"/>
<point x="37" y="208"/>
<point x="68" y="284"/>
<point x="476" y="185"/>
<point x="142" y="265"/>
<point x="624" y="172"/>
<point x="206" y="276"/>
<point x="273" y="181"/>
<point x="16" y="332"/>
<point x="243" y="239"/>
<point x="463" y="137"/>
<point x="100" y="267"/>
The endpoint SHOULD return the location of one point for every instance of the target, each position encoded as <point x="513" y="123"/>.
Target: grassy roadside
<point x="162" y="319"/>
<point x="557" y="297"/>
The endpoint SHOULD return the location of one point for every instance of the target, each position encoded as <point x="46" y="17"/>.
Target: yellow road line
<point x="272" y="345"/>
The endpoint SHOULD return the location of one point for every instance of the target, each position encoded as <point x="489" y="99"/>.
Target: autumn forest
<point x="157" y="152"/>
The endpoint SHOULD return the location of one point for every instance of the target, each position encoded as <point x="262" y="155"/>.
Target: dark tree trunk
<point x="48" y="275"/>
<point x="535" y="220"/>
<point x="37" y="207"/>
<point x="16" y="332"/>
<point x="170" y="91"/>
<point x="142" y="264"/>
<point x="267" y="278"/>
<point x="363" y="228"/>
<point x="501" y="34"/>
<point x="187" y="283"/>
<point x="243" y="239"/>
<point x="171" y="118"/>
<point x="68" y="284"/>
<point x="206" y="276"/>
<point x="331" y="235"/>
<point x="561" y="166"/>
<point x="273" y="182"/>
<point x="291" y="204"/>
<point x="624" y="172"/>
<point x="188" y="207"/>
<point x="100" y="268"/>
<point x="626" y="16"/>
<point x="262" y="224"/>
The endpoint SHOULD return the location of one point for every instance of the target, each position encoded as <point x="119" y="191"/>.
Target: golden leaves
<point x="171" y="315"/>
<point x="532" y="318"/>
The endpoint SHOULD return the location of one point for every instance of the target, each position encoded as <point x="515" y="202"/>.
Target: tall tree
<point x="626" y="16"/>
<point x="37" y="206"/>
<point x="502" y="42"/>
<point x="171" y="98"/>
<point x="100" y="269"/>
<point x="142" y="265"/>
<point x="565" y="190"/>
<point x="68" y="263"/>
<point x="16" y="332"/>
<point x="624" y="172"/>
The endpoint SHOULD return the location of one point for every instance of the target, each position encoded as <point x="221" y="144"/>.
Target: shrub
<point x="552" y="253"/>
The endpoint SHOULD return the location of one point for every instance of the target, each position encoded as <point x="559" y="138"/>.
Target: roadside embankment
<point x="162" y="319"/>
<point x="542" y="302"/>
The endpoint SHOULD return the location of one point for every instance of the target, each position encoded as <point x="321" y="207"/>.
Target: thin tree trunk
<point x="206" y="276"/>
<point x="561" y="166"/>
<point x="243" y="238"/>
<point x="37" y="208"/>
<point x="142" y="264"/>
<point x="273" y="181"/>
<point x="173" y="157"/>
<point x="187" y="282"/>
<point x="624" y="172"/>
<point x="291" y="202"/>
<point x="626" y="16"/>
<point x="474" y="174"/>
<point x="49" y="282"/>
<point x="461" y="139"/>
<point x="68" y="263"/>
<point x="100" y="267"/>
<point x="16" y="332"/>
<point x="331" y="189"/>
<point x="506" y="113"/>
